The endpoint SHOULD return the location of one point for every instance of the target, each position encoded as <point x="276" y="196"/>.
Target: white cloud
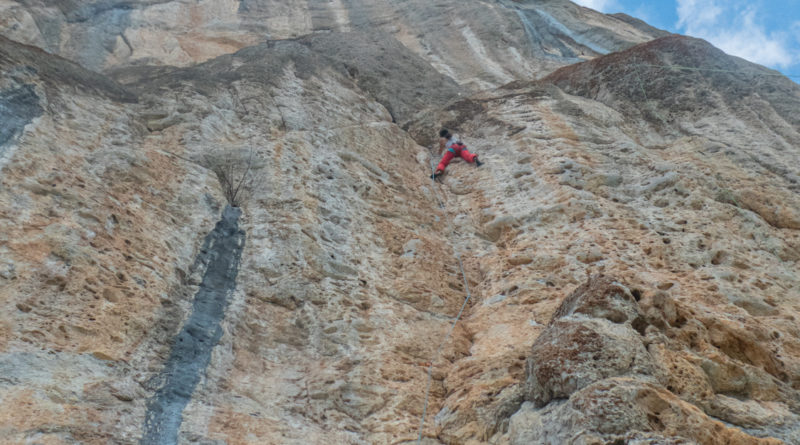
<point x="597" y="5"/>
<point x="733" y="27"/>
<point x="643" y="13"/>
<point x="697" y="13"/>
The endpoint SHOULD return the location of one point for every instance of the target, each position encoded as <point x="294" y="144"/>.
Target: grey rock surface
<point x="348" y="281"/>
<point x="478" y="44"/>
<point x="18" y="107"/>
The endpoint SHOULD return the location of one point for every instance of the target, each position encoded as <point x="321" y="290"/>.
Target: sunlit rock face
<point x="478" y="44"/>
<point x="600" y="373"/>
<point x="588" y="177"/>
<point x="629" y="246"/>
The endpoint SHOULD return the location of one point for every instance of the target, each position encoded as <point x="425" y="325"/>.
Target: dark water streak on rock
<point x="18" y="107"/>
<point x="192" y="347"/>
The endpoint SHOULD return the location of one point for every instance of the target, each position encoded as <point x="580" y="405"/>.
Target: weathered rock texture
<point x="100" y="226"/>
<point x="600" y="373"/>
<point x="478" y="44"/>
<point x="631" y="243"/>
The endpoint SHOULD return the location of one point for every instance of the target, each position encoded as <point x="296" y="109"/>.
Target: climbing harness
<point x="455" y="321"/>
<point x="456" y="147"/>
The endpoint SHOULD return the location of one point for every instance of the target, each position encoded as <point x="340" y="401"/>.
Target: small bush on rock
<point x="238" y="171"/>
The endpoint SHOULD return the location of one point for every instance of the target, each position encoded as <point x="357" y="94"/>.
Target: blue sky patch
<point x="766" y="32"/>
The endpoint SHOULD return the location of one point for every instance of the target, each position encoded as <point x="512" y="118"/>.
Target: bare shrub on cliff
<point x="238" y="171"/>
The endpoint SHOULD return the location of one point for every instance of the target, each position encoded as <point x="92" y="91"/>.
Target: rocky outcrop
<point x="373" y="63"/>
<point x="600" y="372"/>
<point x="591" y="337"/>
<point x="56" y="74"/>
<point x="681" y="84"/>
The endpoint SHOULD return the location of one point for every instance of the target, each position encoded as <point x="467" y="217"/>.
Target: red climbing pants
<point x="453" y="152"/>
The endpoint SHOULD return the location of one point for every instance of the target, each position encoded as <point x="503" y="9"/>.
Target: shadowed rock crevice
<point x="192" y="347"/>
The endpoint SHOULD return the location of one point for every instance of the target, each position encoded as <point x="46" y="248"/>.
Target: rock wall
<point x="100" y="227"/>
<point x="577" y="186"/>
<point x="604" y="370"/>
<point x="478" y="44"/>
<point x="630" y="243"/>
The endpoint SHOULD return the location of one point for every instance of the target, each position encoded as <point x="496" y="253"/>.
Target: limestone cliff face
<point x="478" y="44"/>
<point x="630" y="245"/>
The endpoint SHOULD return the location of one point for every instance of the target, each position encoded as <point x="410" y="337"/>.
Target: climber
<point x="454" y="148"/>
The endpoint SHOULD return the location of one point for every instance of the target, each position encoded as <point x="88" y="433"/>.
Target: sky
<point x="766" y="32"/>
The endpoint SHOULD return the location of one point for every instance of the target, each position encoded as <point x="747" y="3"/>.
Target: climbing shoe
<point x="477" y="162"/>
<point x="437" y="174"/>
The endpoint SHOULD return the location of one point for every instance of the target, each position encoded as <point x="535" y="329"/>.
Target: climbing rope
<point x="458" y="316"/>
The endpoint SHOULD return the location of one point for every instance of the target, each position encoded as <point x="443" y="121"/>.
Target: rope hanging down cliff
<point x="458" y="316"/>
